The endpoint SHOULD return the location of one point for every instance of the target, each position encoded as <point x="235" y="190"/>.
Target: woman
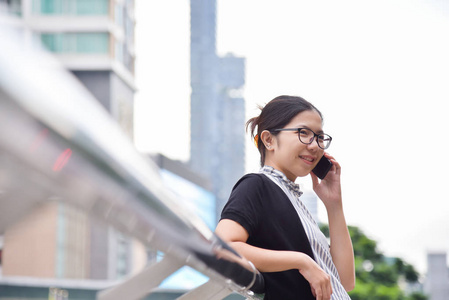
<point x="265" y="220"/>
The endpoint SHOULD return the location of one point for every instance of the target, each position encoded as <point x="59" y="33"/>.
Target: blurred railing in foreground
<point x="46" y="114"/>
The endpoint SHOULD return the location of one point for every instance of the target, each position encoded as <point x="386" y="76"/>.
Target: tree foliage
<point x="377" y="277"/>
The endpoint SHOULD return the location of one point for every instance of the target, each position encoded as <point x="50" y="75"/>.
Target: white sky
<point x="377" y="70"/>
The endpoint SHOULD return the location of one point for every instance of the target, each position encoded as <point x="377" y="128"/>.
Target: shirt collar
<point x="292" y="187"/>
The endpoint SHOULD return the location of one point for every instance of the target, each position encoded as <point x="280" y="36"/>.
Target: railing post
<point x="143" y="283"/>
<point x="211" y="290"/>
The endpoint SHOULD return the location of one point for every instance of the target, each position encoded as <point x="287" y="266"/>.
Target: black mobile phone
<point x="323" y="166"/>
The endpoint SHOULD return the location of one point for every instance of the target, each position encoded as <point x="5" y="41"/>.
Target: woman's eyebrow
<point x="307" y="127"/>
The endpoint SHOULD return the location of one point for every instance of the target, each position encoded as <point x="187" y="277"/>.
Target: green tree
<point x="377" y="276"/>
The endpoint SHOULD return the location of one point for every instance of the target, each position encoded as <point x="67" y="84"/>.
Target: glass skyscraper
<point x="217" y="109"/>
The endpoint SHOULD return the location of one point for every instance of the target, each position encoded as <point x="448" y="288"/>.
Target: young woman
<point x="266" y="221"/>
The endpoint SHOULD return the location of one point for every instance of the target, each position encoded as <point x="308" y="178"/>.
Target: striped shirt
<point x="318" y="241"/>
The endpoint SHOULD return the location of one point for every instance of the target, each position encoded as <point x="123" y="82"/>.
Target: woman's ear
<point x="267" y="139"/>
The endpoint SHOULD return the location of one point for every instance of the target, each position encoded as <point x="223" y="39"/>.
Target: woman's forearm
<point x="270" y="260"/>
<point x="266" y="260"/>
<point x="275" y="261"/>
<point x="341" y="248"/>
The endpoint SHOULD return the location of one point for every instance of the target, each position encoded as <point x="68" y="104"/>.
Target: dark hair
<point x="276" y="114"/>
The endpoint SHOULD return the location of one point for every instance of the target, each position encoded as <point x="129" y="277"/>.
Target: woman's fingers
<point x="325" y="290"/>
<point x="320" y="281"/>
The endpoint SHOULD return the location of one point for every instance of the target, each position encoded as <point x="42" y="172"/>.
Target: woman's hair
<point x="276" y="114"/>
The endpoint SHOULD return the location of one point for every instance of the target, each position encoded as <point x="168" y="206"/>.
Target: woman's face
<point x="288" y="154"/>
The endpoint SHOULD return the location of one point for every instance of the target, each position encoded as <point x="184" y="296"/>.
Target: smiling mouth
<point x="310" y="159"/>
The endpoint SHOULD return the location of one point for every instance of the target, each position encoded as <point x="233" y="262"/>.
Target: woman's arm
<point x="275" y="261"/>
<point x="341" y="248"/>
<point x="329" y="191"/>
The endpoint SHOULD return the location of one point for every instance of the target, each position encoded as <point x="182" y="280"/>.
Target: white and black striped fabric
<point x="318" y="241"/>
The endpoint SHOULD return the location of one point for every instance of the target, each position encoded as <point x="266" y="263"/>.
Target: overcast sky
<point x="377" y="70"/>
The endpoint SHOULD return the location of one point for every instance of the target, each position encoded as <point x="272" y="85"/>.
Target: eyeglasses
<point x="306" y="136"/>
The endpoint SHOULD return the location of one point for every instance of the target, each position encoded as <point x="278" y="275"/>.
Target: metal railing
<point x="58" y="144"/>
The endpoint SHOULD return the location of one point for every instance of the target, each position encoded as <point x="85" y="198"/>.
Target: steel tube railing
<point x="58" y="144"/>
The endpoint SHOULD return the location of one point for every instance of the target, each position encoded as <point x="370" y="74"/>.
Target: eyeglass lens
<point x="307" y="136"/>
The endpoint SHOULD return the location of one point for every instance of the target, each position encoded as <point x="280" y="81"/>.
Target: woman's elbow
<point x="349" y="285"/>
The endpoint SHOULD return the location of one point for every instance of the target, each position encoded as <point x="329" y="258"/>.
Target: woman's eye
<point x="304" y="132"/>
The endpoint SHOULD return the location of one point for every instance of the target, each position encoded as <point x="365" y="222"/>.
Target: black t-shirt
<point x="270" y="219"/>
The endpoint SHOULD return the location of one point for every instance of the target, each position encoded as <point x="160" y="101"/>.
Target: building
<point x="94" y="40"/>
<point x="217" y="106"/>
<point x="436" y="284"/>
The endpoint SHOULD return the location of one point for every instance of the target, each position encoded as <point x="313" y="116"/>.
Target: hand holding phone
<point x="322" y="168"/>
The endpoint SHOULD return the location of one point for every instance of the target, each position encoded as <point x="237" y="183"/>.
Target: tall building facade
<point x="94" y="40"/>
<point x="436" y="285"/>
<point x="217" y="125"/>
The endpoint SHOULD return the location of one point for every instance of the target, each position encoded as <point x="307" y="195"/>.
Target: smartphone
<point x="323" y="166"/>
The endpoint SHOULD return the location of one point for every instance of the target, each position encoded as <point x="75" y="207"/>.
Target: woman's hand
<point x="319" y="280"/>
<point x="329" y="189"/>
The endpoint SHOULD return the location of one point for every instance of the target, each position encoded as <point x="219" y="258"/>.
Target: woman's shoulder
<point x="255" y="182"/>
<point x="252" y="179"/>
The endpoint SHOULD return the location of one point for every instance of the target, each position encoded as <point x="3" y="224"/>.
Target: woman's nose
<point x="313" y="145"/>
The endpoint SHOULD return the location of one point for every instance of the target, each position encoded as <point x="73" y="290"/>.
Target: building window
<point x="87" y="42"/>
<point x="92" y="42"/>
<point x="129" y="30"/>
<point x="71" y="7"/>
<point x="119" y="15"/>
<point x="123" y="249"/>
<point x="120" y="52"/>
<point x="92" y="7"/>
<point x="14" y="6"/>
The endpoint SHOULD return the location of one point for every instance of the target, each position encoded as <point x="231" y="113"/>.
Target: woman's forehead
<point x="308" y="118"/>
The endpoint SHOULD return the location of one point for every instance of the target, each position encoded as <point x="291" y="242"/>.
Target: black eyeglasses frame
<point x="315" y="136"/>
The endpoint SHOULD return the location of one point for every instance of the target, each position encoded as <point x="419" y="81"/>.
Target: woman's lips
<point x="307" y="159"/>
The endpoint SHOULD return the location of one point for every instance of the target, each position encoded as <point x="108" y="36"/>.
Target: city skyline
<point x="374" y="67"/>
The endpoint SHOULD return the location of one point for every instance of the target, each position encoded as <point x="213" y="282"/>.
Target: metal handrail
<point x="63" y="146"/>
